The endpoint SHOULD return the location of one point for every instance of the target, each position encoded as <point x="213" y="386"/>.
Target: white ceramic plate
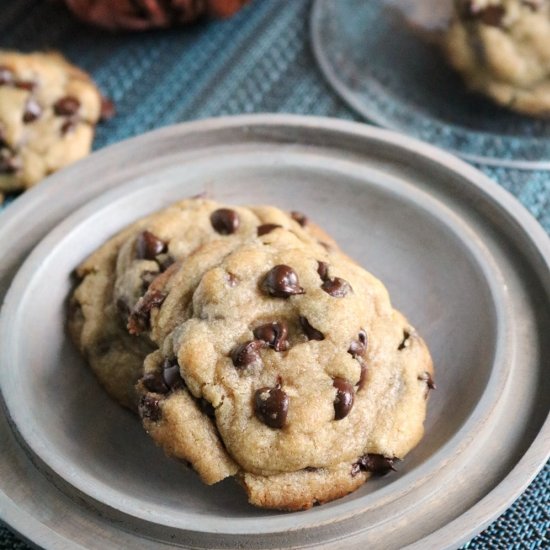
<point x="460" y="257"/>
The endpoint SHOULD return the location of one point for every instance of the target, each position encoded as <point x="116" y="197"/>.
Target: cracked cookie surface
<point x="502" y="49"/>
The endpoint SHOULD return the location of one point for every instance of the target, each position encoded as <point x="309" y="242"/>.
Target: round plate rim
<point x="536" y="454"/>
<point x="372" y="116"/>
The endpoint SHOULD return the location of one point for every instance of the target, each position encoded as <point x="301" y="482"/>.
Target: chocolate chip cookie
<point x="502" y="49"/>
<point x="48" y="112"/>
<point x="284" y="364"/>
<point x="122" y="284"/>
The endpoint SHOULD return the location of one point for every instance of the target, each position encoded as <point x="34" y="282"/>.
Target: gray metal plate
<point x="460" y="256"/>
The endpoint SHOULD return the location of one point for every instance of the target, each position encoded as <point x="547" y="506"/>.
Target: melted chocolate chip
<point x="271" y="406"/>
<point x="149" y="407"/>
<point x="140" y="315"/>
<point x="247" y="354"/>
<point x="6" y="75"/>
<point x="374" y="463"/>
<point x="282" y="281"/>
<point x="207" y="408"/>
<point x="68" y="126"/>
<point x="359" y="346"/>
<point x="405" y="343"/>
<point x="32" y="111"/>
<point x="66" y="106"/>
<point x="337" y="287"/>
<point x="322" y="270"/>
<point x="299" y="217"/>
<point x="154" y="382"/>
<point x="274" y="335"/>
<point x="343" y="402"/>
<point x="231" y="279"/>
<point x="26" y="85"/>
<point x="489" y="15"/>
<point x="108" y="110"/>
<point x="171" y="374"/>
<point x="311" y="332"/>
<point x="148" y="246"/>
<point x="430" y="384"/>
<point x="225" y="221"/>
<point x="267" y="228"/>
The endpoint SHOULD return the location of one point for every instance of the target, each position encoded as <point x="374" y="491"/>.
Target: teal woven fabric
<point x="259" y="61"/>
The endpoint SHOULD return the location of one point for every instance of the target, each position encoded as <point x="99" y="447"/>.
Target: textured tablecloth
<point x="259" y="61"/>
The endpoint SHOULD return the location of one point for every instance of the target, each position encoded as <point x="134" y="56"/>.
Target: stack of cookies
<point x="252" y="347"/>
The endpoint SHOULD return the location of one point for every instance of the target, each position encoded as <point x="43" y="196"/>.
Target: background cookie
<point x="502" y="49"/>
<point x="48" y="111"/>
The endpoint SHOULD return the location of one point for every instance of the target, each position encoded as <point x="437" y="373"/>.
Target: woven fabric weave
<point x="259" y="61"/>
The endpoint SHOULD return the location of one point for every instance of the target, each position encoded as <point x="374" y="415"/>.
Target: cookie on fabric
<point x="122" y="284"/>
<point x="502" y="49"/>
<point x="48" y="112"/>
<point x="305" y="379"/>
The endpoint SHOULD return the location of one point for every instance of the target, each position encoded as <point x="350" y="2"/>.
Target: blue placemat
<point x="259" y="61"/>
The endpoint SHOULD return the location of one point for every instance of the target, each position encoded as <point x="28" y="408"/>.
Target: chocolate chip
<point x="6" y="75"/>
<point x="377" y="464"/>
<point x="32" y="111"/>
<point x="489" y="15"/>
<point x="271" y="406"/>
<point x="140" y="315"/>
<point x="148" y="246"/>
<point x="337" y="287"/>
<point x="66" y="106"/>
<point x="225" y="221"/>
<point x="405" y="343"/>
<point x="154" y="382"/>
<point x="9" y="163"/>
<point x="68" y="126"/>
<point x="171" y="374"/>
<point x="311" y="332"/>
<point x="430" y="384"/>
<point x="247" y="354"/>
<point x="207" y="408"/>
<point x="359" y="346"/>
<point x="310" y="469"/>
<point x="343" y="402"/>
<point x="267" y="228"/>
<point x="231" y="279"/>
<point x="492" y="16"/>
<point x="299" y="217"/>
<point x="281" y="281"/>
<point x="149" y="407"/>
<point x="274" y="335"/>
<point x="108" y="110"/>
<point x="322" y="270"/>
<point x="27" y="85"/>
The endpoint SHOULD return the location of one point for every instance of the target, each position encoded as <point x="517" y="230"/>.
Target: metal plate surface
<point x="460" y="257"/>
